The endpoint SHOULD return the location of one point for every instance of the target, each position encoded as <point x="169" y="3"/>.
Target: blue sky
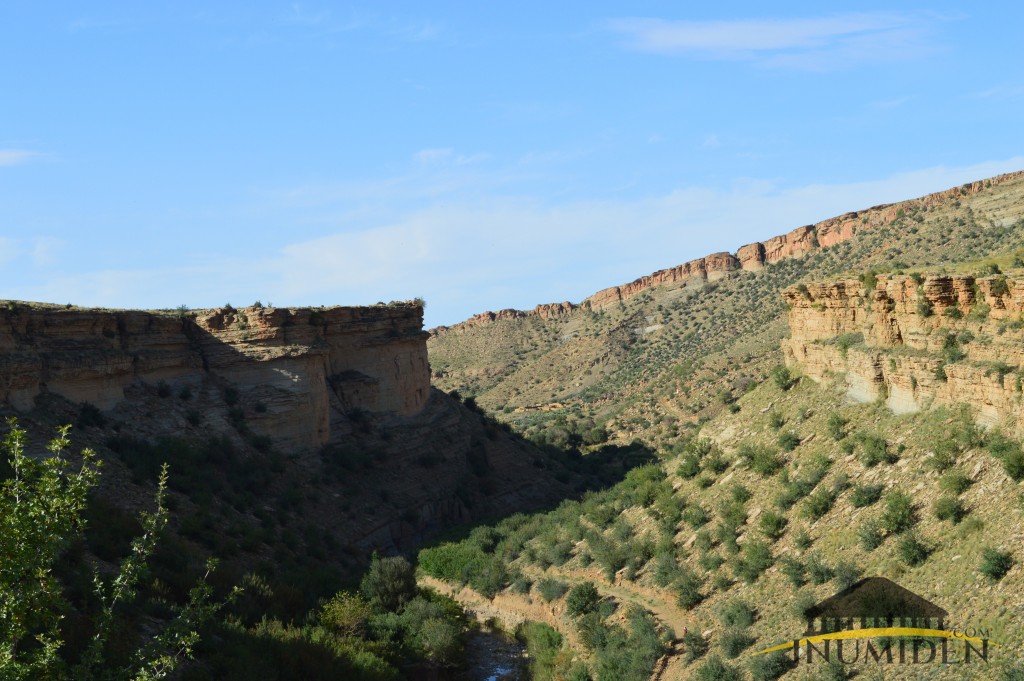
<point x="478" y="155"/>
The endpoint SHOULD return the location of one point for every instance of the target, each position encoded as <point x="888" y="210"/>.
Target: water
<point x="492" y="655"/>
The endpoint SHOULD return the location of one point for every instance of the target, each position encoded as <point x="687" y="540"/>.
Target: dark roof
<point x="875" y="597"/>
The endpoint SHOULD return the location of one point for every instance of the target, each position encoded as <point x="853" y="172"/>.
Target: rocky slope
<point x="914" y="340"/>
<point x="682" y="343"/>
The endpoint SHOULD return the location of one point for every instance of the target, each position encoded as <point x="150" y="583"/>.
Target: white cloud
<point x="14" y="157"/>
<point x="465" y="255"/>
<point x="810" y="43"/>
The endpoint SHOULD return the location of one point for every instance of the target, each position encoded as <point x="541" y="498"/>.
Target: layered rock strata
<point x="915" y="340"/>
<point x="292" y="368"/>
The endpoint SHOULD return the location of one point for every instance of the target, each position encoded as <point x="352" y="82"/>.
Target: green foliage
<point x="550" y="657"/>
<point x="900" y="513"/>
<point x="789" y="441"/>
<point x="782" y="377"/>
<point x="865" y="495"/>
<point x="870" y="535"/>
<point x="582" y="598"/>
<point x="389" y="583"/>
<point x="775" y="419"/>
<point x="995" y="563"/>
<point x="732" y="642"/>
<point x="818" y="570"/>
<point x="465" y="563"/>
<point x="955" y="482"/>
<point x="912" y="551"/>
<point x="755" y="558"/>
<point x="762" y="460"/>
<point x="629" y="655"/>
<point x="714" y="669"/>
<point x="950" y="508"/>
<point x="695" y="644"/>
<point x="818" y="503"/>
<point x="1009" y="452"/>
<point x="846" y="574"/>
<point x="688" y="589"/>
<point x="836" y="425"/>
<point x="772" y="524"/>
<point x="41" y="510"/>
<point x="874" y="450"/>
<point x="769" y="667"/>
<point x="696" y="516"/>
<point x="737" y="614"/>
<point x="794" y="570"/>
<point x="802" y="540"/>
<point x="551" y="589"/>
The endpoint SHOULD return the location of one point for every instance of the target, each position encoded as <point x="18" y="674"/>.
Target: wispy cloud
<point x="467" y="255"/>
<point x="16" y="157"/>
<point x="811" y="43"/>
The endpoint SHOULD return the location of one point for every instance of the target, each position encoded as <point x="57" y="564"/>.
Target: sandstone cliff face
<point x="946" y="339"/>
<point x="297" y="365"/>
<point x="753" y="257"/>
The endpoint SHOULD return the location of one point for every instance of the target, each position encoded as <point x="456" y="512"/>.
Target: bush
<point x="870" y="535"/>
<point x="955" y="482"/>
<point x="789" y="441"/>
<point x="802" y="540"/>
<point x="551" y="589"/>
<point x="836" y="425"/>
<point x="756" y="557"/>
<point x="696" y="516"/>
<point x="950" y="508"/>
<point x="772" y="524"/>
<point x="1010" y="453"/>
<point x="716" y="670"/>
<point x="775" y="420"/>
<point x="818" y="504"/>
<point x="689" y="466"/>
<point x="846" y="574"/>
<point x="874" y="450"/>
<point x="794" y="570"/>
<point x="995" y="563"/>
<point x="912" y="551"/>
<point x="389" y="583"/>
<point x="732" y="642"/>
<point x="819" y="570"/>
<point x="770" y="666"/>
<point x="695" y="645"/>
<point x="782" y="377"/>
<point x="764" y="461"/>
<point x="737" y="614"/>
<point x="900" y="514"/>
<point x="687" y="588"/>
<point x="583" y="598"/>
<point x="865" y="495"/>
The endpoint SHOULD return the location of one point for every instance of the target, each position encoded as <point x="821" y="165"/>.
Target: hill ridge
<point x="751" y="257"/>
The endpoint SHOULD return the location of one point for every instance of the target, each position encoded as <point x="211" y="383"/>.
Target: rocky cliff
<point x="293" y="370"/>
<point x="915" y="340"/>
<point x="755" y="256"/>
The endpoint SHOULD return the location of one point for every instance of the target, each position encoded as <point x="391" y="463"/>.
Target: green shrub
<point x="696" y="516"/>
<point x="955" y="482"/>
<point x="389" y="583"/>
<point x="755" y="558"/>
<point x="732" y="642"/>
<point x="782" y="377"/>
<point x="865" y="495"/>
<point x="737" y="614"/>
<point x="762" y="460"/>
<point x="1009" y="452"/>
<point x="695" y="645"/>
<point x="689" y="466"/>
<point x="802" y="540"/>
<point x="687" y="588"/>
<point x="846" y="574"/>
<point x="870" y="535"/>
<point x="770" y="666"/>
<point x="775" y="420"/>
<point x="950" y="508"/>
<point x="911" y="551"/>
<point x="582" y="598"/>
<point x="818" y="569"/>
<point x="794" y="570"/>
<point x="836" y="425"/>
<point x="772" y="524"/>
<point x="789" y="441"/>
<point x="874" y="450"/>
<point x="551" y="589"/>
<point x="995" y="563"/>
<point x="714" y="669"/>
<point x="818" y="504"/>
<point x="899" y="514"/>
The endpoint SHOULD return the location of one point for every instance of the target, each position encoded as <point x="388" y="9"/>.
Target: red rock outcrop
<point x="795" y="243"/>
<point x="298" y="365"/>
<point x="914" y="341"/>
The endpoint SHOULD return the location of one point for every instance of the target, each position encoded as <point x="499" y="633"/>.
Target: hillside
<point x="811" y="482"/>
<point x="651" y="357"/>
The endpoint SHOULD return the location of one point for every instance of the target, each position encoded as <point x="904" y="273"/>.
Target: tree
<point x="583" y="598"/>
<point x="41" y="511"/>
<point x="389" y="583"/>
